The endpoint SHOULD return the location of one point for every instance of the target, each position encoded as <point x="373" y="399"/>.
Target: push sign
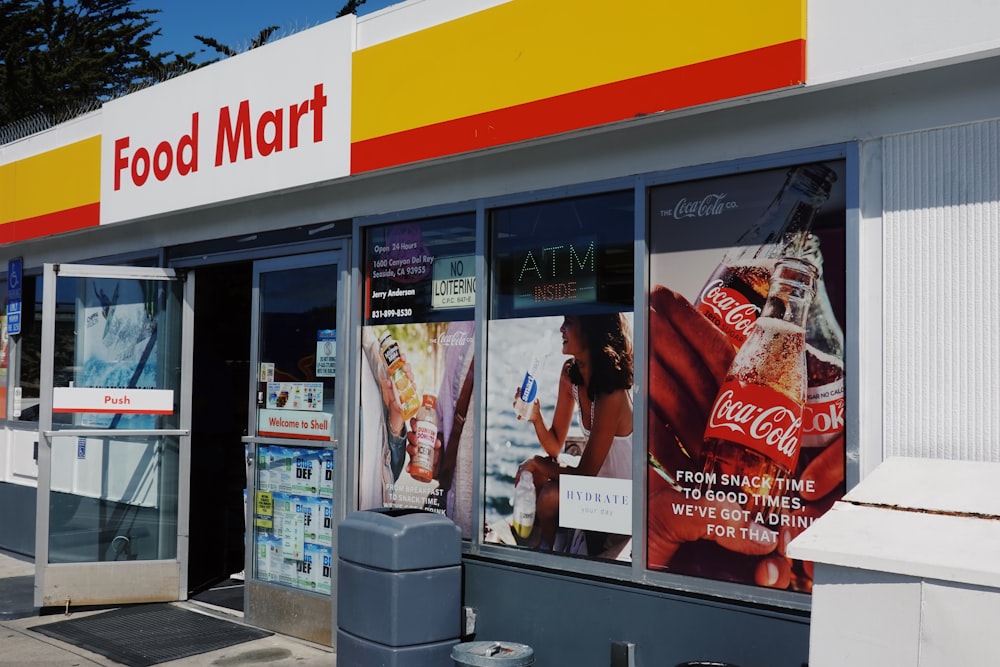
<point x="14" y="275"/>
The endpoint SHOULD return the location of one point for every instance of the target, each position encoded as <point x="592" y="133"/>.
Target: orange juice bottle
<point x="405" y="392"/>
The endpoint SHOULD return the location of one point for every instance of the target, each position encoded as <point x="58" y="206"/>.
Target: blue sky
<point x="235" y="22"/>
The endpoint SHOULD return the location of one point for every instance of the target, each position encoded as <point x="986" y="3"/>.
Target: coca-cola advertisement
<point x="746" y="370"/>
<point x="416" y="391"/>
<point x="417" y="367"/>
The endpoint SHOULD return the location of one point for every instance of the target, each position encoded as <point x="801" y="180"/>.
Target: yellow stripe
<point x="6" y="193"/>
<point x="528" y="50"/>
<point x="56" y="180"/>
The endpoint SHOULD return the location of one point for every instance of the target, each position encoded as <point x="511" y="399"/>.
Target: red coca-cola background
<point x="692" y="225"/>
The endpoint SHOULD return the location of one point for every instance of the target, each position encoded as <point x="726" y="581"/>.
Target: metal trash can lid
<point x="493" y="654"/>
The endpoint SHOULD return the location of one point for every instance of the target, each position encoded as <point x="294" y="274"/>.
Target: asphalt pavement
<point x="21" y="646"/>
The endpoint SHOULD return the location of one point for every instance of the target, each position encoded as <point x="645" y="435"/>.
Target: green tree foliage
<point x="261" y="39"/>
<point x="61" y="57"/>
<point x="57" y="56"/>
<point x="350" y="7"/>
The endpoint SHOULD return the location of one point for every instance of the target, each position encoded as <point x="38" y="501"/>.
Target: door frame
<point x="295" y="612"/>
<point x="111" y="582"/>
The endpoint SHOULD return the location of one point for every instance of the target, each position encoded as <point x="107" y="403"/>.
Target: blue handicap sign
<point x="14" y="281"/>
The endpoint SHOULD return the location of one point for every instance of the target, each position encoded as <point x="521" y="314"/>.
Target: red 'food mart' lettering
<point x="268" y="132"/>
<point x="162" y="160"/>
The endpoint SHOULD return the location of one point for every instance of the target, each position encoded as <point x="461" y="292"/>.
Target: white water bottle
<point x="524" y="505"/>
<point x="529" y="388"/>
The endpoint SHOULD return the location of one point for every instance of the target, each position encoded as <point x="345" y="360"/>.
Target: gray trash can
<point x="399" y="588"/>
<point x="493" y="654"/>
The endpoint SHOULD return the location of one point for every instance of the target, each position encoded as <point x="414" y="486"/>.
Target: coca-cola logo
<point x="459" y="338"/>
<point x="729" y="306"/>
<point x="776" y="426"/>
<point x="709" y="205"/>
<point x="824" y="417"/>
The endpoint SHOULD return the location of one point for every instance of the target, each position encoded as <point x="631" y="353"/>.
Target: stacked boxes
<point x="294" y="517"/>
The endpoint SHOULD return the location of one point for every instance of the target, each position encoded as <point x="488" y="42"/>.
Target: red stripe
<point x="50" y="224"/>
<point x="768" y="68"/>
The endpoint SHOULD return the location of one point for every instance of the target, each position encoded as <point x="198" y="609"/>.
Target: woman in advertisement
<point x="597" y="379"/>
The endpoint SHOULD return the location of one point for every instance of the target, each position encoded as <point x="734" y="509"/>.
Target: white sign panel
<point x="595" y="503"/>
<point x="274" y="117"/>
<point x="115" y="401"/>
<point x="453" y="280"/>
<point x="326" y="353"/>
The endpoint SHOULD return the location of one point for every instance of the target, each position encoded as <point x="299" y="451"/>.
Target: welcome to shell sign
<point x="271" y="118"/>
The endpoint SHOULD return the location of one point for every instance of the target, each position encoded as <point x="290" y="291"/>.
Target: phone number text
<point x="391" y="312"/>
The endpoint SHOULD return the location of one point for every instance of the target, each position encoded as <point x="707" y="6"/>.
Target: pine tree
<point x="228" y="51"/>
<point x="61" y="57"/>
<point x="58" y="56"/>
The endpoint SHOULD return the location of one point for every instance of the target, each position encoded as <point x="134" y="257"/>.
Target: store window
<point x="559" y="386"/>
<point x="27" y="383"/>
<point x="746" y="370"/>
<point x="417" y="367"/>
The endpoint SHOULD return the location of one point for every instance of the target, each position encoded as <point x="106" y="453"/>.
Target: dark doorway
<point x="220" y="385"/>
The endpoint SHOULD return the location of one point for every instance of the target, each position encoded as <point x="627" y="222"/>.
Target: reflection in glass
<point x="122" y="338"/>
<point x="117" y="343"/>
<point x="113" y="499"/>
<point x="297" y="304"/>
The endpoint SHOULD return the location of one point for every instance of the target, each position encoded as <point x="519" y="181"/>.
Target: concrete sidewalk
<point x="20" y="646"/>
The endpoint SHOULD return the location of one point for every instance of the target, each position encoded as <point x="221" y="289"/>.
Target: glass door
<point x="113" y="435"/>
<point x="292" y="444"/>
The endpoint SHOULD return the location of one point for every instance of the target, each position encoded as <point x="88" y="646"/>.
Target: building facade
<point x="290" y="271"/>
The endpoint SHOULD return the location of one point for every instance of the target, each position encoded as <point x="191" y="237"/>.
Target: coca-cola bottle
<point x="735" y="292"/>
<point x="823" y="420"/>
<point x="754" y="430"/>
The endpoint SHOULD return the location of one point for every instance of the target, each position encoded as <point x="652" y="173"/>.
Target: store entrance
<point x="219" y="420"/>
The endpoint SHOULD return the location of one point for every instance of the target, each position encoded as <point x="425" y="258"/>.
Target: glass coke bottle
<point x="754" y="431"/>
<point x="734" y="294"/>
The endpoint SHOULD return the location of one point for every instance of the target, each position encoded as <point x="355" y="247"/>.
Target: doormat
<point x="146" y="635"/>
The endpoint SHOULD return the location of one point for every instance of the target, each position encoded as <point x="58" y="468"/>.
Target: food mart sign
<point x="272" y="118"/>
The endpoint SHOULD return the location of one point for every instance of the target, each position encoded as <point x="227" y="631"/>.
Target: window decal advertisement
<point x="417" y="367"/>
<point x="559" y="385"/>
<point x="746" y="370"/>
